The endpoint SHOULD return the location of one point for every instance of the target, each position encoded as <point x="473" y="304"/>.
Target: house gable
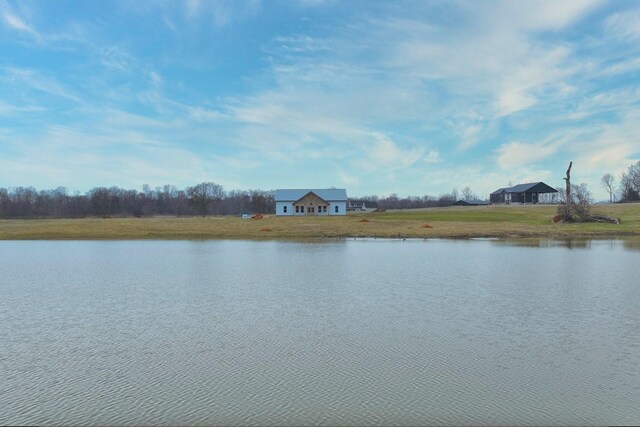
<point x="311" y="199"/>
<point x="541" y="187"/>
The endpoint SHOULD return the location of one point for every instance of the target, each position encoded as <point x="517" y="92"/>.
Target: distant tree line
<point x="412" y="202"/>
<point x="202" y="199"/>
<point x="206" y="198"/>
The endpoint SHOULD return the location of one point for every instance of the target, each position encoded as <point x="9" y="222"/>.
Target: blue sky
<point x="411" y="97"/>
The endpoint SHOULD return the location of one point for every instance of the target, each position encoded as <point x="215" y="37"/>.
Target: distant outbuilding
<point x="521" y="193"/>
<point x="473" y="202"/>
<point x="362" y="206"/>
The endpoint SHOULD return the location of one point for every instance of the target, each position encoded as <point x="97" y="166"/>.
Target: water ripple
<point x="349" y="333"/>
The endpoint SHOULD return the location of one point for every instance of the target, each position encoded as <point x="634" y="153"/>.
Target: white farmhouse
<point x="331" y="201"/>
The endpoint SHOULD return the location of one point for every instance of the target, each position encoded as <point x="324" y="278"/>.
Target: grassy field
<point x="453" y="222"/>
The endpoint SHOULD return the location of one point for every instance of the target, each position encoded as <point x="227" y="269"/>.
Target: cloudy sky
<point x="411" y="97"/>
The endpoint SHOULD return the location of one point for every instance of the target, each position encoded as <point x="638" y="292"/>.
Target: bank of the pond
<point x="454" y="222"/>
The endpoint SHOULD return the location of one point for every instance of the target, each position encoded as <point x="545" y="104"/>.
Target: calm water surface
<point x="346" y="332"/>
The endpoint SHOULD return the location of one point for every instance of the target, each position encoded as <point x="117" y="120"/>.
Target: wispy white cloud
<point x="13" y="21"/>
<point x="221" y="12"/>
<point x="612" y="149"/>
<point x="115" y="58"/>
<point x="384" y="153"/>
<point x="347" y="178"/>
<point x="433" y="156"/>
<point x="542" y="15"/>
<point x="430" y="72"/>
<point x="625" y="25"/>
<point x="620" y="100"/>
<point x="297" y="43"/>
<point x="37" y="80"/>
<point x="10" y="109"/>
<point x="625" y="66"/>
<point x="516" y="154"/>
<point x="67" y="152"/>
<point x="315" y="3"/>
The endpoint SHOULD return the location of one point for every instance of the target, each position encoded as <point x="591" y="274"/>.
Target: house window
<point x="285" y="209"/>
<point x="297" y="209"/>
<point x="336" y="209"/>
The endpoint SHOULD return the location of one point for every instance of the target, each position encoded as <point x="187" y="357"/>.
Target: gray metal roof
<point x="360" y="203"/>
<point x="471" y="202"/>
<point x="328" y="194"/>
<point x="522" y="188"/>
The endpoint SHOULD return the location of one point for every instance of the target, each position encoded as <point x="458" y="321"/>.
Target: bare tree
<point x="608" y="182"/>
<point x="561" y="195"/>
<point x="100" y="202"/>
<point x="634" y="173"/>
<point x="467" y="193"/>
<point x="565" y="210"/>
<point x="205" y="195"/>
<point x="569" y="198"/>
<point x="577" y="205"/>
<point x="5" y="204"/>
<point x="582" y="202"/>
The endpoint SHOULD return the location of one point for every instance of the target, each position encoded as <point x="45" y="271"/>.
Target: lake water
<point x="331" y="332"/>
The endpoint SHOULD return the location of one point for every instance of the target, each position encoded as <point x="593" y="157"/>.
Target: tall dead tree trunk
<point x="579" y="211"/>
<point x="568" y="198"/>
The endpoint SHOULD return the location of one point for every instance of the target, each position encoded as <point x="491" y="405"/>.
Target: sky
<point x="378" y="97"/>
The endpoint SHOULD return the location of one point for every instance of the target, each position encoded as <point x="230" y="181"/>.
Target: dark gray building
<point x="521" y="193"/>
<point x="472" y="202"/>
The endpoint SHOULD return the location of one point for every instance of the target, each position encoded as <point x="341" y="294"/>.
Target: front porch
<point x="311" y="204"/>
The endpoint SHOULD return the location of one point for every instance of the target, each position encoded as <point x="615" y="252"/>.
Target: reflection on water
<point x="632" y="244"/>
<point x="386" y="332"/>
<point x="579" y="243"/>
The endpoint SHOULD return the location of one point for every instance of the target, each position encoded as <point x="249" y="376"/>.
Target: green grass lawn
<point x="452" y="222"/>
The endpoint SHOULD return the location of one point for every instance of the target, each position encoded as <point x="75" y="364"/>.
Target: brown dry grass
<point x="454" y="222"/>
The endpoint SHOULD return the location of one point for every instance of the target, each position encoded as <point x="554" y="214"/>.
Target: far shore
<point x="513" y="221"/>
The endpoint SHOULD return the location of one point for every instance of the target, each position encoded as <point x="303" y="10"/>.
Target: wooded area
<point x="206" y="198"/>
<point x="203" y="199"/>
<point x="630" y="184"/>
